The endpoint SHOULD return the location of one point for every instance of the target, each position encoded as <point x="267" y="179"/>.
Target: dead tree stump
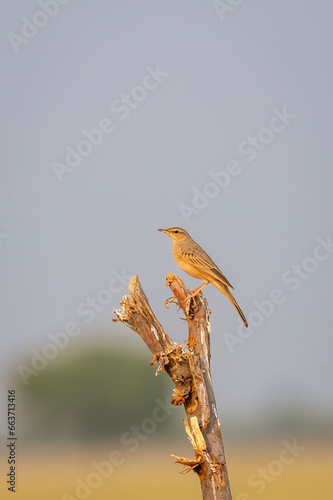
<point x="190" y="371"/>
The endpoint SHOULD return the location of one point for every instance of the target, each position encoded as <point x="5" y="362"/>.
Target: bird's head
<point x="176" y="233"/>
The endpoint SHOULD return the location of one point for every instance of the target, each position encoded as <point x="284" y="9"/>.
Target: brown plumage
<point x="193" y="260"/>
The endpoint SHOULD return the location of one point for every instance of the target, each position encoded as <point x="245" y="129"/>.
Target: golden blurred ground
<point x="148" y="472"/>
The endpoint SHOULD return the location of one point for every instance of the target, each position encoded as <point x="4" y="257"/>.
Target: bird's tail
<point x="225" y="290"/>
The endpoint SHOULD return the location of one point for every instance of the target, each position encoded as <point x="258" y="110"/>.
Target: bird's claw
<point x="169" y="301"/>
<point x="192" y="294"/>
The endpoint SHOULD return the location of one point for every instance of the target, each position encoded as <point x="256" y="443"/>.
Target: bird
<point x="193" y="260"/>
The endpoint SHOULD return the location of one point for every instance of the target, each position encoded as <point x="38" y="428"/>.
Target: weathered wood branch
<point x="190" y="371"/>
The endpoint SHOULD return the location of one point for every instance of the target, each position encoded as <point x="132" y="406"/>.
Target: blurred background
<point x="120" y="118"/>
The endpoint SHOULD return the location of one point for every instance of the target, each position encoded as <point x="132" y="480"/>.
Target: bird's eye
<point x="176" y="232"/>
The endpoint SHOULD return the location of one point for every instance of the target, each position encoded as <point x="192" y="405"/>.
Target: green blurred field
<point x="149" y="472"/>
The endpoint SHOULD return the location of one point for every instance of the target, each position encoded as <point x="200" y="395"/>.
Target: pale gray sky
<point x="184" y="98"/>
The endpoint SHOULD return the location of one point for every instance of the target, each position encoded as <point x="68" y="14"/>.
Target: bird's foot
<point x="190" y="296"/>
<point x="195" y="292"/>
<point x="169" y="301"/>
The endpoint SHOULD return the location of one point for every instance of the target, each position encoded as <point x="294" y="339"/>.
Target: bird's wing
<point x="204" y="264"/>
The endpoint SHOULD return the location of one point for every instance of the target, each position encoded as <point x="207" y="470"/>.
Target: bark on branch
<point x="189" y="368"/>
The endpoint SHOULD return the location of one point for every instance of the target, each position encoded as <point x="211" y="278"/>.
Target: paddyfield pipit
<point x="193" y="260"/>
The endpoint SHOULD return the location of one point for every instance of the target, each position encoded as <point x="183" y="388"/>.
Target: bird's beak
<point x="163" y="231"/>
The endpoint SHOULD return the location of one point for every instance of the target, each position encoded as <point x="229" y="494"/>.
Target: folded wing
<point x="207" y="266"/>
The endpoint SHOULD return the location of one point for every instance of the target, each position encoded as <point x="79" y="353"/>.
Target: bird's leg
<point x="196" y="291"/>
